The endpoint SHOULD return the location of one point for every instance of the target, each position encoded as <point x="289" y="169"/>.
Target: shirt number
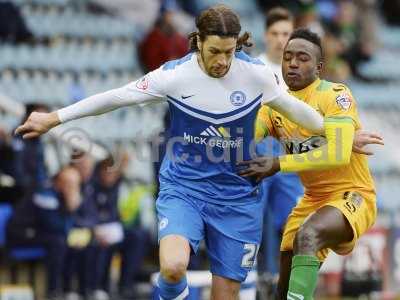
<point x="250" y="256"/>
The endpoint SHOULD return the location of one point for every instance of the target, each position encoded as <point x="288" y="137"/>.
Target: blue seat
<point x="24" y="254"/>
<point x="5" y="214"/>
<point x="16" y="255"/>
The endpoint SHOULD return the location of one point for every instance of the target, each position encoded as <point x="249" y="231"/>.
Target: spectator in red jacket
<point x="164" y="42"/>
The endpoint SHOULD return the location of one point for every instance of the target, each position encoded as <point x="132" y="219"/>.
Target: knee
<point x="308" y="239"/>
<point x="173" y="270"/>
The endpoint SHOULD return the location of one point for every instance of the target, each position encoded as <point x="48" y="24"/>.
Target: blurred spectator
<point x="368" y="25"/>
<point x="80" y="256"/>
<point x="348" y="31"/>
<point x="164" y="42"/>
<point x="327" y="9"/>
<point x="108" y="231"/>
<point x="365" y="22"/>
<point x="354" y="26"/>
<point x="278" y="27"/>
<point x="28" y="164"/>
<point x="335" y="68"/>
<point x="137" y="236"/>
<point x="12" y="25"/>
<point x="45" y="219"/>
<point x="86" y="216"/>
<point x="308" y="17"/>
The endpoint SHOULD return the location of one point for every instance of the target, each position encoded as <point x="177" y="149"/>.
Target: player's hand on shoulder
<point x="362" y="138"/>
<point x="259" y="168"/>
<point x="37" y="124"/>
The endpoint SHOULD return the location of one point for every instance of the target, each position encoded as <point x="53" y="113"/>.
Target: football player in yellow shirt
<point x="339" y="201"/>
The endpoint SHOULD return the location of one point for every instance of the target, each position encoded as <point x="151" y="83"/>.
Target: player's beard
<point x="208" y="71"/>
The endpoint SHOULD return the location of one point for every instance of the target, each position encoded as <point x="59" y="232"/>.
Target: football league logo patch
<point x="344" y="101"/>
<point x="238" y="98"/>
<point x="142" y="84"/>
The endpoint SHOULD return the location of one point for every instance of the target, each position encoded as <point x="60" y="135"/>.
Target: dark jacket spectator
<point x="28" y="163"/>
<point x="80" y="256"/>
<point x="52" y="214"/>
<point x="106" y="183"/>
<point x="108" y="232"/>
<point x="29" y="168"/>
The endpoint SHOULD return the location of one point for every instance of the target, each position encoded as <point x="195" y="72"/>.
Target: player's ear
<point x="319" y="68"/>
<point x="199" y="42"/>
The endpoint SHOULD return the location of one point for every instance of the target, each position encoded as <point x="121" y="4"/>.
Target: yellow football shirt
<point x="331" y="100"/>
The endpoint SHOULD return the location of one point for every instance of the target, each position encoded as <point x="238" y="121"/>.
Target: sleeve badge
<point x="344" y="101"/>
<point x="142" y="84"/>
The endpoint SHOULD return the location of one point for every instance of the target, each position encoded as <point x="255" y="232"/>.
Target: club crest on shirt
<point x="344" y="101"/>
<point x="238" y="98"/>
<point x="142" y="84"/>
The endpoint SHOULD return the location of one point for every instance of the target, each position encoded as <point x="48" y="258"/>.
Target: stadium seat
<point x="5" y="214"/>
<point x="17" y="254"/>
<point x="25" y="253"/>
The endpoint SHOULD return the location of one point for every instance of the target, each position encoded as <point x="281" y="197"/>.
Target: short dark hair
<point x="222" y="21"/>
<point x="308" y="35"/>
<point x="277" y="14"/>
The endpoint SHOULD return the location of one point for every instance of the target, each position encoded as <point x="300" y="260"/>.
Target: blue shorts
<point x="232" y="233"/>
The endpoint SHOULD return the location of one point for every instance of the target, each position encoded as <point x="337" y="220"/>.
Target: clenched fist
<point x="37" y="124"/>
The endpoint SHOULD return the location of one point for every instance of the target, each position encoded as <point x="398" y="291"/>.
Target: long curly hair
<point x="222" y="21"/>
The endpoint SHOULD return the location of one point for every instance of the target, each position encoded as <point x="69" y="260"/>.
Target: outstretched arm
<point x="339" y="133"/>
<point x="336" y="152"/>
<point x="147" y="89"/>
<point x="39" y="123"/>
<point x="103" y="103"/>
<point x="298" y="112"/>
